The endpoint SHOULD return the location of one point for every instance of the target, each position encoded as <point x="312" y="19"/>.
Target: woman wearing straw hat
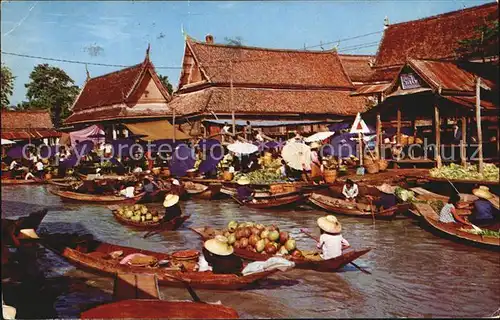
<point x="217" y="255"/>
<point x="331" y="241"/>
<point x="484" y="212"/>
<point x="172" y="207"/>
<point x="244" y="193"/>
<point x="387" y="200"/>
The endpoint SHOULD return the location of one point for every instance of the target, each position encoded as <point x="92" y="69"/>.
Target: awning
<point x="470" y="102"/>
<point x="267" y="123"/>
<point x="30" y="134"/>
<point x="370" y="89"/>
<point x="156" y="130"/>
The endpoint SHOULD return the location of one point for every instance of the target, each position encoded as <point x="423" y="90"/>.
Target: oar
<point x="237" y="200"/>
<point x="373" y="212"/>
<point x="317" y="240"/>
<point x="188" y="287"/>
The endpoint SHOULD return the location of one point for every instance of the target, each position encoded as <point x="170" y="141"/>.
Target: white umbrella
<point x="5" y="142"/>
<point x="297" y="154"/>
<point x="242" y="147"/>
<point x="319" y="136"/>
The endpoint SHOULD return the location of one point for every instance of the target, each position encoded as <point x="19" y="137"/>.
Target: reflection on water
<point x="415" y="274"/>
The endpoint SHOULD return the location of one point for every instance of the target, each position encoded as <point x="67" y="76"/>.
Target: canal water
<point x="414" y="273"/>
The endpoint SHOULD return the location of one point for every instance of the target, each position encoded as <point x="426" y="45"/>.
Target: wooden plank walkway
<point x="136" y="286"/>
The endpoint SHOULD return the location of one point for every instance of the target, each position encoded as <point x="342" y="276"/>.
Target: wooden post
<point x="360" y="155"/>
<point x="398" y="137"/>
<point x="378" y="138"/>
<point x="478" y="121"/>
<point x="173" y="123"/>
<point x="463" y="152"/>
<point x="114" y="131"/>
<point x="231" y="100"/>
<point x="437" y="132"/>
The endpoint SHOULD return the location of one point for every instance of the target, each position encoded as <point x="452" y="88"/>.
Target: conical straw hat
<point x="170" y="200"/>
<point x="219" y="246"/>
<point x="329" y="224"/>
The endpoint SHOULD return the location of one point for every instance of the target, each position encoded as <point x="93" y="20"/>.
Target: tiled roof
<point x="261" y="67"/>
<point x="116" y="113"/>
<point x="268" y="101"/>
<point x="434" y="37"/>
<point x="370" y="89"/>
<point x="114" y="88"/>
<point x="26" y="119"/>
<point x="357" y="66"/>
<point x="384" y="74"/>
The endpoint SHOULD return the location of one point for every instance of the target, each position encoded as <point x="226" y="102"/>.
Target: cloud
<point x="226" y="5"/>
<point x="111" y="29"/>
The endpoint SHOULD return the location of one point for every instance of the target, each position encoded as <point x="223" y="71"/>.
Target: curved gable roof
<point x="434" y="37"/>
<point x="263" y="67"/>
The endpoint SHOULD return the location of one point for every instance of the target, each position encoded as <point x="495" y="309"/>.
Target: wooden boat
<point x="94" y="255"/>
<point x="9" y="182"/>
<point x="340" y="206"/>
<point x="13" y="227"/>
<point x="94" y="198"/>
<point x="201" y="191"/>
<point x="454" y="181"/>
<point x="150" y="225"/>
<point x="158" y="309"/>
<point x="272" y="202"/>
<point x="455" y="231"/>
<point x="329" y="265"/>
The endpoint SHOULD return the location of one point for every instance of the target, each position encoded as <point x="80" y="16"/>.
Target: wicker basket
<point x="276" y="188"/>
<point x="383" y="164"/>
<point x="227" y="176"/>
<point x="372" y="168"/>
<point x="289" y="188"/>
<point x="156" y="171"/>
<point x="411" y="140"/>
<point x="166" y="172"/>
<point x="367" y="160"/>
<point x="330" y="176"/>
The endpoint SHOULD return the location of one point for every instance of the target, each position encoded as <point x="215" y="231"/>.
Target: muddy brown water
<point x="415" y="273"/>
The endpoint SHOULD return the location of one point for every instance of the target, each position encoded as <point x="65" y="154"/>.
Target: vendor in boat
<point x="484" y="213"/>
<point x="244" y="193"/>
<point x="331" y="242"/>
<point x="448" y="213"/>
<point x="172" y="207"/>
<point x="217" y="256"/>
<point x="149" y="187"/>
<point x="350" y="190"/>
<point x="128" y="191"/>
<point x="387" y="200"/>
<point x="316" y="172"/>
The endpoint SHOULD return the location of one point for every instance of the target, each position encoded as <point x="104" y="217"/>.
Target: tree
<point x="236" y="41"/>
<point x="51" y="88"/>
<point x="6" y="86"/>
<point x="484" y="44"/>
<point x="166" y="83"/>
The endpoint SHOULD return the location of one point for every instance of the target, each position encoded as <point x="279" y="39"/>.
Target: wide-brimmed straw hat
<point x="28" y="234"/>
<point x="483" y="192"/>
<point x="243" y="181"/>
<point x="219" y="246"/>
<point x="329" y="224"/>
<point x="170" y="200"/>
<point x="386" y="188"/>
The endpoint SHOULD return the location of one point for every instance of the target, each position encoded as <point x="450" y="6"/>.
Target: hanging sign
<point x="409" y="81"/>
<point x="359" y="125"/>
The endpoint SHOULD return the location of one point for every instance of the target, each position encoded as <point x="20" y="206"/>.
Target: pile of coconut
<point x="261" y="239"/>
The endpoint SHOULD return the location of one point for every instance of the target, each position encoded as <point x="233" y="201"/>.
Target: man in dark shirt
<point x="219" y="255"/>
<point x="484" y="212"/>
<point x="172" y="207"/>
<point x="244" y="193"/>
<point x="387" y="200"/>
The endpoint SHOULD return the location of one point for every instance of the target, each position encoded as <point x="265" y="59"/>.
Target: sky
<point x="118" y="32"/>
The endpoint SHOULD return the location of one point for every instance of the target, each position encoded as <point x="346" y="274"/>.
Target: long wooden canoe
<point x="454" y="231"/>
<point x="9" y="182"/>
<point x="94" y="255"/>
<point x="329" y="265"/>
<point x="340" y="206"/>
<point x="273" y="202"/>
<point x="150" y="225"/>
<point x="473" y="182"/>
<point x="83" y="197"/>
<point x="158" y="309"/>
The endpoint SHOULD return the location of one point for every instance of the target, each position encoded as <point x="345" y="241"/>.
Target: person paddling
<point x="172" y="207"/>
<point x="484" y="212"/>
<point x="244" y="193"/>
<point x="217" y="256"/>
<point x="387" y="200"/>
<point x="331" y="242"/>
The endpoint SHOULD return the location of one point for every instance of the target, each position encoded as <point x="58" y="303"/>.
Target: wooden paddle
<point x="317" y="240"/>
<point x="373" y="212"/>
<point x="237" y="200"/>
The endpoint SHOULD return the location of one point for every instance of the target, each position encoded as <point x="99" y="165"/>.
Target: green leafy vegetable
<point x="470" y="172"/>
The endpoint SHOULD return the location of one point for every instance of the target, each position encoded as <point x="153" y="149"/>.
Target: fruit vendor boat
<point x="272" y="202"/>
<point x="84" y="197"/>
<point x="456" y="231"/>
<point x="340" y="206"/>
<point x="201" y="191"/>
<point x="173" y="224"/>
<point x="95" y="255"/>
<point x="329" y="265"/>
